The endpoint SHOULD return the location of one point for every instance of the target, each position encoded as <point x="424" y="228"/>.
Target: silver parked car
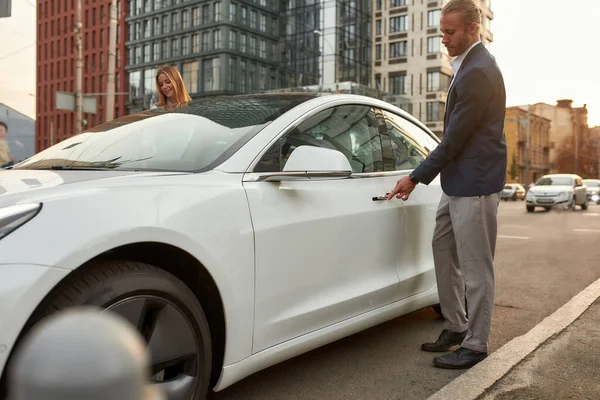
<point x="593" y="189"/>
<point x="513" y="191"/>
<point x="558" y="189"/>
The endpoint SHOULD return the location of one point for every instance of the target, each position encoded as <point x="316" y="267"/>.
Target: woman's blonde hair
<point x="181" y="95"/>
<point x="469" y="9"/>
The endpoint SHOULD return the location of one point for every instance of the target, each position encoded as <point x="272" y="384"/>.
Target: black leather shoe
<point x="446" y="340"/>
<point x="460" y="359"/>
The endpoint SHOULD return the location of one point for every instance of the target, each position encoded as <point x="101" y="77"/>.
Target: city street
<point x="543" y="259"/>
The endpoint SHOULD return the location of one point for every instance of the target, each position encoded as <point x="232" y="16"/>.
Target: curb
<point x="477" y="380"/>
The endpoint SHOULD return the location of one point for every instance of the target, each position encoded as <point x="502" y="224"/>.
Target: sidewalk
<point x="558" y="359"/>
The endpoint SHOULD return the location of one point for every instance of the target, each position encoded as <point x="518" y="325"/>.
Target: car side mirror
<point x="308" y="163"/>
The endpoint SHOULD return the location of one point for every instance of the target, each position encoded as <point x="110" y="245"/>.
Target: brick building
<point x="56" y="64"/>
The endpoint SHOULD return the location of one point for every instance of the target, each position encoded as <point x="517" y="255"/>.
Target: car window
<point x="592" y="183"/>
<point x="405" y="145"/>
<point x="555" y="181"/>
<point x="350" y="129"/>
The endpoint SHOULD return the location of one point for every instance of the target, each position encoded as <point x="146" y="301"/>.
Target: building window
<point x="232" y="11"/>
<point x="165" y="28"/>
<point x="399" y="24"/>
<point x="165" y="50"/>
<point x="174" y="47"/>
<point x="195" y="16"/>
<point x="185" y="48"/>
<point x="398" y="84"/>
<point x="378" y="27"/>
<point x="146" y="53"/>
<point x="205" y="41"/>
<point x="433" y="18"/>
<point x="155" y="26"/>
<point x="217" y="38"/>
<point x="205" y="14"/>
<point x="398" y="49"/>
<point x="232" y="74"/>
<point x="195" y="43"/>
<point x="211" y="72"/>
<point x="242" y="76"/>
<point x="155" y="52"/>
<point x="263" y="49"/>
<point x="185" y="16"/>
<point x="190" y="76"/>
<point x="243" y="40"/>
<point x="149" y="82"/>
<point x="379" y="5"/>
<point x="397" y="3"/>
<point x="217" y="11"/>
<point x="232" y="39"/>
<point x="263" y="23"/>
<point x="253" y="19"/>
<point x="138" y="55"/>
<point x="437" y="81"/>
<point x="253" y="45"/>
<point x="146" y="29"/>
<point x="135" y="90"/>
<point x="435" y="111"/>
<point x="378" y="52"/>
<point x="262" y="79"/>
<point x="244" y="15"/>
<point x="174" y="22"/>
<point x="434" y="44"/>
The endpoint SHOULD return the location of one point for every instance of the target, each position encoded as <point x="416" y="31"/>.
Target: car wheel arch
<point x="170" y="259"/>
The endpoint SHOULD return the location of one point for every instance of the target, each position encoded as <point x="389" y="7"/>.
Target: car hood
<point x="550" y="189"/>
<point x="17" y="185"/>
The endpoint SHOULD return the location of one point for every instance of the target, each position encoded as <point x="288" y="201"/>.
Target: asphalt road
<point x="543" y="259"/>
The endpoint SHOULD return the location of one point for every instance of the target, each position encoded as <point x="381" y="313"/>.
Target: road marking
<point x="514" y="237"/>
<point x="514" y="226"/>
<point x="587" y="230"/>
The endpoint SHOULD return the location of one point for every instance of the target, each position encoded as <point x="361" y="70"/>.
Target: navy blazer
<point x="472" y="154"/>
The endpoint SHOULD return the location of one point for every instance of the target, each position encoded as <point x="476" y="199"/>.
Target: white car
<point x="593" y="189"/>
<point x="234" y="232"/>
<point x="566" y="190"/>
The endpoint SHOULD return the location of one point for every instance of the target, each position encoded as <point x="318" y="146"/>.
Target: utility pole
<point x="112" y="45"/>
<point x="528" y="132"/>
<point x="78" y="73"/>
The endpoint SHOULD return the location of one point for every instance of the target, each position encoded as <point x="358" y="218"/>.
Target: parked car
<point x="235" y="232"/>
<point x="513" y="191"/>
<point x="593" y="189"/>
<point x="557" y="189"/>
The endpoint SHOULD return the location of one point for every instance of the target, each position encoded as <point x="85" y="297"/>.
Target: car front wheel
<point x="530" y="208"/>
<point x="165" y="311"/>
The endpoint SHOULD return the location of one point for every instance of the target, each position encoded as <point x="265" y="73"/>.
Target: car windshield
<point x="555" y="181"/>
<point x="592" y="183"/>
<point x="191" y="138"/>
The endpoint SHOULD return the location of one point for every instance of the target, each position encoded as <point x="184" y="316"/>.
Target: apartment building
<point x="56" y="60"/>
<point x="410" y="64"/>
<point x="220" y="47"/>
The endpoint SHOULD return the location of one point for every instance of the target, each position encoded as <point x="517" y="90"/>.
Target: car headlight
<point x="13" y="217"/>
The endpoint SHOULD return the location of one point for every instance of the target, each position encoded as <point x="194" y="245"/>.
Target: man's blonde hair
<point x="469" y="9"/>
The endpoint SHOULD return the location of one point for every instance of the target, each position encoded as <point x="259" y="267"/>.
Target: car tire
<point x="547" y="208"/>
<point x="584" y="206"/>
<point x="116" y="285"/>
<point x="530" y="208"/>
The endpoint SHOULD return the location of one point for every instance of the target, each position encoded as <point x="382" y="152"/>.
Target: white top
<point x="457" y="62"/>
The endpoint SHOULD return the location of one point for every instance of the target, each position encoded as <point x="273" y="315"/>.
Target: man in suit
<point x="472" y="161"/>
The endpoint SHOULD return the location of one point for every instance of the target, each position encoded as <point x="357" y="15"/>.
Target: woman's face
<point x="166" y="86"/>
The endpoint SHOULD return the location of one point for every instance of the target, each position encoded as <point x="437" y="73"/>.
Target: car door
<point x="325" y="250"/>
<point x="405" y="146"/>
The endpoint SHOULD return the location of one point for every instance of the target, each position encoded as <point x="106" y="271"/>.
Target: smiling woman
<point x="170" y="87"/>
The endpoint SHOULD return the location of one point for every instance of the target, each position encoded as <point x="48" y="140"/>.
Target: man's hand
<point x="403" y="189"/>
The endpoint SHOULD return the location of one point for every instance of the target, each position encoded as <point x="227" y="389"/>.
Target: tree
<point x="586" y="156"/>
<point x="513" y="167"/>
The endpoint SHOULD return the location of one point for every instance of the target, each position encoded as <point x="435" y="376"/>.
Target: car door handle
<point x="379" y="198"/>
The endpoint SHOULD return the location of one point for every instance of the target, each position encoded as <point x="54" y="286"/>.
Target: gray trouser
<point x="464" y="243"/>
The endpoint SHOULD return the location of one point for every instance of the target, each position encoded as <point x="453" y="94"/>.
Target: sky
<point x="546" y="49"/>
